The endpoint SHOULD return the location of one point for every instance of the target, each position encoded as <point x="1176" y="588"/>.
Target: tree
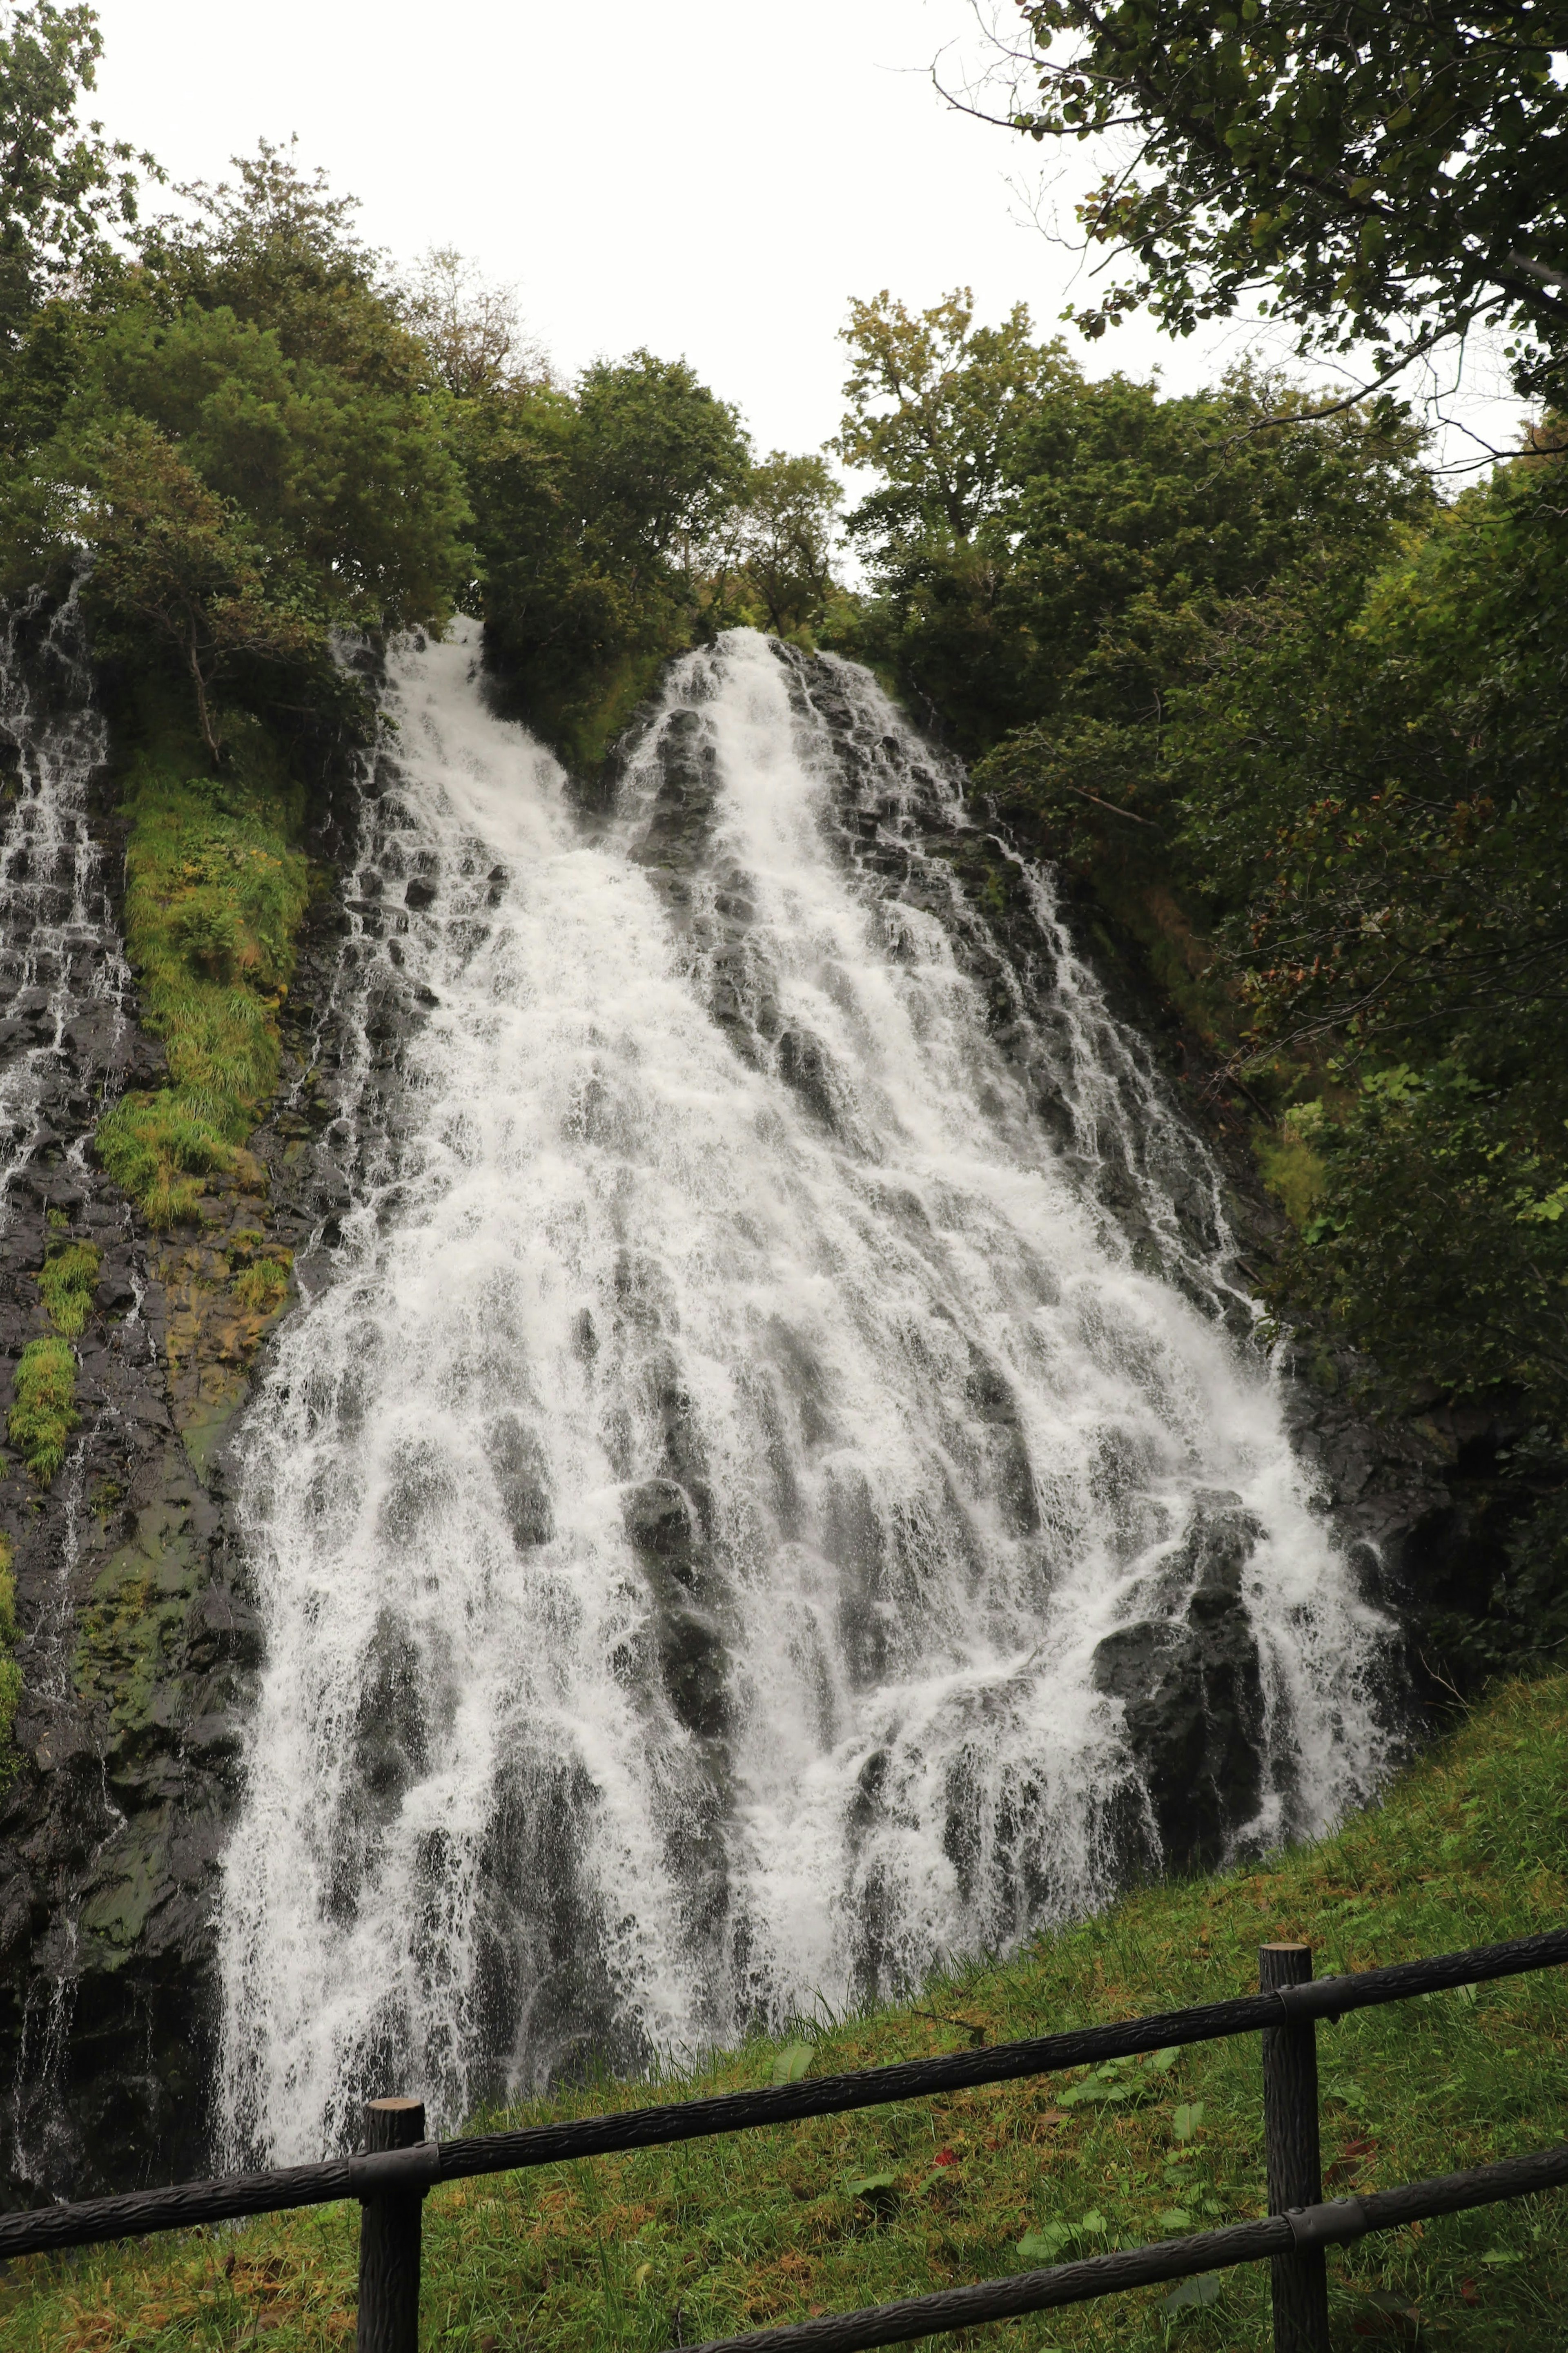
<point x="247" y="440"/>
<point x="470" y="328"/>
<point x="1381" y="171"/>
<point x="344" y="471"/>
<point x="783" y="540"/>
<point x="598" y="510"/>
<point x="657" y="463"/>
<point x="173" y="559"/>
<point x="62" y="186"/>
<point x="1375" y="804"/>
<point x="1049" y="551"/>
<point x="934" y="402"/>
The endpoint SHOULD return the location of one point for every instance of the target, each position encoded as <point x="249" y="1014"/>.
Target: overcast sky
<point x="711" y="178"/>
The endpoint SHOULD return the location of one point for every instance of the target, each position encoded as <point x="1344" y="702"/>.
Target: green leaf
<point x="1187" y="2119"/>
<point x="1192" y="2292"/>
<point x="1174" y="2218"/>
<point x="871" y="2185"/>
<point x="1044" y="2245"/>
<point x="792" y="2063"/>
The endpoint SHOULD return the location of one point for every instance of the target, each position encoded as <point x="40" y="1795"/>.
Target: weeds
<point x="68" y="1280"/>
<point x="43" y="1406"/>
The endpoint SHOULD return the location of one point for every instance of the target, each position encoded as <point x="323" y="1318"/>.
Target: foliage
<point x="667" y="2245"/>
<point x="244" y="438"/>
<point x="1051" y="552"/>
<point x="781" y="546"/>
<point x="1303" y="733"/>
<point x="61" y="186"/>
<point x="67" y="1282"/>
<point x="471" y="329"/>
<point x="176" y="561"/>
<point x="1388" y="170"/>
<point x="10" y="1666"/>
<point x="43" y="1406"/>
<point x="595" y="512"/>
<point x="262" y="1286"/>
<point x="214" y="895"/>
<point x="935" y="404"/>
<point x="1380" y="808"/>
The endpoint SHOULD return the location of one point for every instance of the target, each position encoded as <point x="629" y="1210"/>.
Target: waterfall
<point x="63" y="975"/>
<point x="780" y="1405"/>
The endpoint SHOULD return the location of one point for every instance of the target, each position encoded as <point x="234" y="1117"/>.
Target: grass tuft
<point x="214" y="896"/>
<point x="263" y="1286"/>
<point x="665" y="2246"/>
<point x="69" y="1281"/>
<point x="43" y="1405"/>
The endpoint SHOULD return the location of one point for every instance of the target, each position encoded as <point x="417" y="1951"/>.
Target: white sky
<point x="712" y="178"/>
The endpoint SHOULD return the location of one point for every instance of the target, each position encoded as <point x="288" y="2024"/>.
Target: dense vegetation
<point x="1297" y="725"/>
<point x="677" y="2245"/>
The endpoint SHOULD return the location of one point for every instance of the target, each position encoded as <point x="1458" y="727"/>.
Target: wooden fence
<point x="400" y="2166"/>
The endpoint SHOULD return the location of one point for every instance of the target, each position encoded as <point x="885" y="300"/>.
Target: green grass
<point x="214" y="896"/>
<point x="67" y="1282"/>
<point x="842" y="2211"/>
<point x="43" y="1405"/>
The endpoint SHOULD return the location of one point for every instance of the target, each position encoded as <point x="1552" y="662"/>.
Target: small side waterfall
<point x="777" y="1489"/>
<point x="60" y="958"/>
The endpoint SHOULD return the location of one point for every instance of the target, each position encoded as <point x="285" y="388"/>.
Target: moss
<point x="10" y="1670"/>
<point x="67" y="1282"/>
<point x="43" y="1405"/>
<point x="261" y="1287"/>
<point x="214" y="895"/>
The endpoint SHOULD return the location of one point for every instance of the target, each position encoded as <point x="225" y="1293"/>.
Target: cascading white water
<point x="686" y="1526"/>
<point x="59" y="946"/>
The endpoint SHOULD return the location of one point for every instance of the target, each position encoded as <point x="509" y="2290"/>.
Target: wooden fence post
<point x="389" y="2238"/>
<point x="1300" y="2285"/>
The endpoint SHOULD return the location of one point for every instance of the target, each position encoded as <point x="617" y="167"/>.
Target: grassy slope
<point x="1471" y="1845"/>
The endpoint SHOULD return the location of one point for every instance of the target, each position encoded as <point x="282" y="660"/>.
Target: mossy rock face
<point x="136" y="1642"/>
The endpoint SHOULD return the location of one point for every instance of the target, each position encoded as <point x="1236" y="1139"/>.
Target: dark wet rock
<point x="1192" y="1696"/>
<point x="686" y="1629"/>
<point x="517" y="1462"/>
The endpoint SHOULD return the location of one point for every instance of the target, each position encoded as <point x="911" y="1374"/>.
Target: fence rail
<point x="392" y="2177"/>
<point x="1286" y="2235"/>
